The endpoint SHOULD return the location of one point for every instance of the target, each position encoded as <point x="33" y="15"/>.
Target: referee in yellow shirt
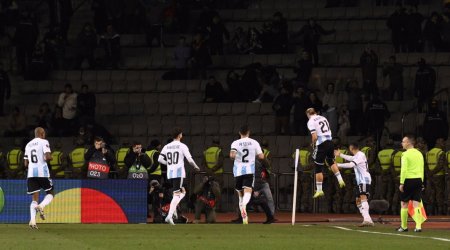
<point x="411" y="183"/>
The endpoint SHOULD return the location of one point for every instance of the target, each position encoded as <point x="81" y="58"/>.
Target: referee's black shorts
<point x="412" y="190"/>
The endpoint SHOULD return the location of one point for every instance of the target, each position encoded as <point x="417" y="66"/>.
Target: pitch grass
<point x="219" y="236"/>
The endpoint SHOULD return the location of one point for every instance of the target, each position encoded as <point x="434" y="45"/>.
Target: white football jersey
<point x="319" y="125"/>
<point x="359" y="162"/>
<point x="34" y="153"/>
<point x="174" y="153"/>
<point x="246" y="151"/>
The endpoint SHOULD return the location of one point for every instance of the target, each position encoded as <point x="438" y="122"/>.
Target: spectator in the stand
<point x="214" y="91"/>
<point x="279" y="31"/>
<point x="86" y="103"/>
<point x="330" y="107"/>
<point x="375" y="117"/>
<point x="301" y="104"/>
<point x="5" y="88"/>
<point x="58" y="128"/>
<point x="217" y="32"/>
<point x="239" y="42"/>
<point x="414" y="29"/>
<point x="254" y="41"/>
<point x="355" y="107"/>
<point x="38" y="69"/>
<point x="435" y="124"/>
<point x="110" y="41"/>
<point x="65" y="14"/>
<point x="425" y="84"/>
<point x="43" y="118"/>
<point x="431" y="34"/>
<point x="311" y="33"/>
<point x="269" y="81"/>
<point x="68" y="102"/>
<point x="201" y="58"/>
<point x="315" y="102"/>
<point x="343" y="122"/>
<point x="86" y="43"/>
<point x="16" y="124"/>
<point x="445" y="33"/>
<point x="369" y="64"/>
<point x="397" y="24"/>
<point x="282" y="106"/>
<point x="54" y="50"/>
<point x="25" y="40"/>
<point x="235" y="87"/>
<point x="100" y="15"/>
<point x="395" y="72"/>
<point x="250" y="85"/>
<point x="303" y="70"/>
<point x="205" y="18"/>
<point x="181" y="55"/>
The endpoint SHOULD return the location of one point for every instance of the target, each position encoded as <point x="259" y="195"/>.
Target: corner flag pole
<point x="294" y="197"/>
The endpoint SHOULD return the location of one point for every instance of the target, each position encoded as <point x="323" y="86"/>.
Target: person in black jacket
<point x="435" y="125"/>
<point x="25" y="40"/>
<point x="425" y="83"/>
<point x="100" y="153"/>
<point x="369" y="63"/>
<point x="282" y="106"/>
<point x="217" y="31"/>
<point x="110" y="41"/>
<point x="86" y="43"/>
<point x="375" y="116"/>
<point x="137" y="157"/>
<point x="5" y="88"/>
<point x="397" y="24"/>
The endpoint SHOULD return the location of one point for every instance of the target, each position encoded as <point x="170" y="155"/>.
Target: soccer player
<point x="172" y="155"/>
<point x="323" y="149"/>
<point x="363" y="179"/>
<point x="244" y="152"/>
<point x="37" y="153"/>
<point x="411" y="184"/>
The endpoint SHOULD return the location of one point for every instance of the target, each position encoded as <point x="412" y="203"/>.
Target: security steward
<point x="435" y="171"/>
<point x="155" y="170"/>
<point x="77" y="165"/>
<point x="14" y="162"/>
<point x="137" y="162"/>
<point x="306" y="178"/>
<point x="395" y="172"/>
<point x="384" y="173"/>
<point x="369" y="151"/>
<point x="213" y="161"/>
<point x="58" y="163"/>
<point x="122" y="170"/>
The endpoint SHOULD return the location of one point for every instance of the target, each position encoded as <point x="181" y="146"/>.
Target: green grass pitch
<point x="218" y="236"/>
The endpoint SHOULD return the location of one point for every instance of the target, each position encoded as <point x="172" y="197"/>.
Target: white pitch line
<point x="393" y="234"/>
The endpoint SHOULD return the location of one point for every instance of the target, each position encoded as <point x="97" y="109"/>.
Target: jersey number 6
<point x="34" y="158"/>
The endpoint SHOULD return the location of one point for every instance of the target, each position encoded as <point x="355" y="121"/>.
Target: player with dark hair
<point x="37" y="153"/>
<point x="363" y="179"/>
<point x="172" y="155"/>
<point x="321" y="141"/>
<point x="244" y="152"/>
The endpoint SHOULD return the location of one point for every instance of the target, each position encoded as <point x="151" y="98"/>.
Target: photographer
<point x="206" y="194"/>
<point x="161" y="196"/>
<point x="100" y="159"/>
<point x="137" y="162"/>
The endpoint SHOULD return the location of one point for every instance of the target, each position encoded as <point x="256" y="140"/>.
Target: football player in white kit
<point x="363" y="180"/>
<point x="37" y="153"/>
<point x="244" y="152"/>
<point x="321" y="141"/>
<point x="172" y="155"/>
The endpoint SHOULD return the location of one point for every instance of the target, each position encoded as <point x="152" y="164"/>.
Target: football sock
<point x="33" y="211"/>
<point x="360" y="208"/>
<point x="47" y="199"/>
<point x="319" y="186"/>
<point x="418" y="218"/>
<point x="182" y="196"/>
<point x="365" y="211"/>
<point x="173" y="205"/>
<point x="404" y="217"/>
<point x="246" y="199"/>
<point x="339" y="176"/>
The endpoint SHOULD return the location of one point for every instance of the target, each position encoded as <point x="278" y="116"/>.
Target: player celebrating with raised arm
<point x="244" y="152"/>
<point x="37" y="153"/>
<point x="172" y="155"/>
<point x="363" y="179"/>
<point x="323" y="149"/>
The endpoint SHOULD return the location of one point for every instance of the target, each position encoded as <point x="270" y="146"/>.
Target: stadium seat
<point x="118" y="75"/>
<point x="194" y="108"/>
<point x="134" y="86"/>
<point x="103" y="75"/>
<point x="195" y="97"/>
<point x="89" y="75"/>
<point x="178" y="86"/>
<point x="166" y="109"/>
<point x="211" y="126"/>
<point x="193" y="85"/>
<point x="224" y="109"/>
<point x="197" y="125"/>
<point x="226" y="125"/>
<point x="180" y="109"/>
<point x="119" y="86"/>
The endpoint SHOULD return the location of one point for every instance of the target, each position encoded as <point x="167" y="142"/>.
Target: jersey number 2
<point x="34" y="158"/>
<point x="245" y="155"/>
<point x="324" y="127"/>
<point x="172" y="158"/>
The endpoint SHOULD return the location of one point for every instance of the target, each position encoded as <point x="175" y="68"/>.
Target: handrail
<point x="414" y="108"/>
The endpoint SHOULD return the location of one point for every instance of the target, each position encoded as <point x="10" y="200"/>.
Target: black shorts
<point x="412" y="190"/>
<point x="177" y="184"/>
<point x="323" y="152"/>
<point x="244" y="181"/>
<point x="362" y="189"/>
<point x="35" y="184"/>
